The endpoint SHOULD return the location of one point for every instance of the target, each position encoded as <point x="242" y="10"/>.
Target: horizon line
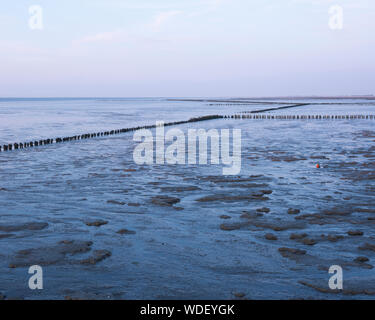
<point x="358" y="96"/>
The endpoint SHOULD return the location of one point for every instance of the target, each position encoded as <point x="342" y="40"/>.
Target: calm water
<point x="183" y="251"/>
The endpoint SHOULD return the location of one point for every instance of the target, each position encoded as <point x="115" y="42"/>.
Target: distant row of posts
<point x="31" y="144"/>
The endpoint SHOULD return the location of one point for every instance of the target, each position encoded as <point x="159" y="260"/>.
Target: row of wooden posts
<point x="36" y="143"/>
<point x="31" y="144"/>
<point x="300" y="117"/>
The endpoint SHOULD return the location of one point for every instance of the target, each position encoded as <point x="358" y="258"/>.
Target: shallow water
<point x="187" y="250"/>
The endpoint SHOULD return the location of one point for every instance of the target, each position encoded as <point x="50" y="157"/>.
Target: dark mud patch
<point x="225" y="217"/>
<point x="232" y="226"/>
<point x="303" y="239"/>
<point x="226" y="198"/>
<point x="285" y="158"/>
<point x="134" y="204"/>
<point x="250" y="215"/>
<point x="302" y="257"/>
<point x="293" y="211"/>
<point x="239" y="295"/>
<point x="337" y="212"/>
<point x="309" y="241"/>
<point x="270" y="236"/>
<point x="125" y="231"/>
<point x="256" y="220"/>
<point x="266" y="191"/>
<point x="360" y="175"/>
<point x="297" y="236"/>
<point x="362" y="262"/>
<point x="165" y="201"/>
<point x="235" y="179"/>
<point x="33" y="226"/>
<point x="332" y="237"/>
<point x="315" y="218"/>
<point x="96" y="223"/>
<point x="323" y="288"/>
<point x="291" y="252"/>
<point x="364" y="210"/>
<point x="98" y="255"/>
<point x="6" y="235"/>
<point x="51" y="255"/>
<point x="248" y="185"/>
<point x="278" y="225"/>
<point x="329" y="216"/>
<point x="355" y="233"/>
<point x="180" y="189"/>
<point x="120" y="203"/>
<point x="275" y="225"/>
<point x="319" y="157"/>
<point x="367" y="246"/>
<point x="366" y="134"/>
<point x="92" y="296"/>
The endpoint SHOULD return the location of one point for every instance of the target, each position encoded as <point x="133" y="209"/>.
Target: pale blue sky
<point x="129" y="48"/>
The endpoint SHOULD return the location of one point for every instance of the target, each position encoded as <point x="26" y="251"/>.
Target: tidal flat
<point x="103" y="227"/>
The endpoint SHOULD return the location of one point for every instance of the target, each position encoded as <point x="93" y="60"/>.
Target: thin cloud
<point x="163" y="17"/>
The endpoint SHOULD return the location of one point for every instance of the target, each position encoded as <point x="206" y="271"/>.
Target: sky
<point x="186" y="48"/>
